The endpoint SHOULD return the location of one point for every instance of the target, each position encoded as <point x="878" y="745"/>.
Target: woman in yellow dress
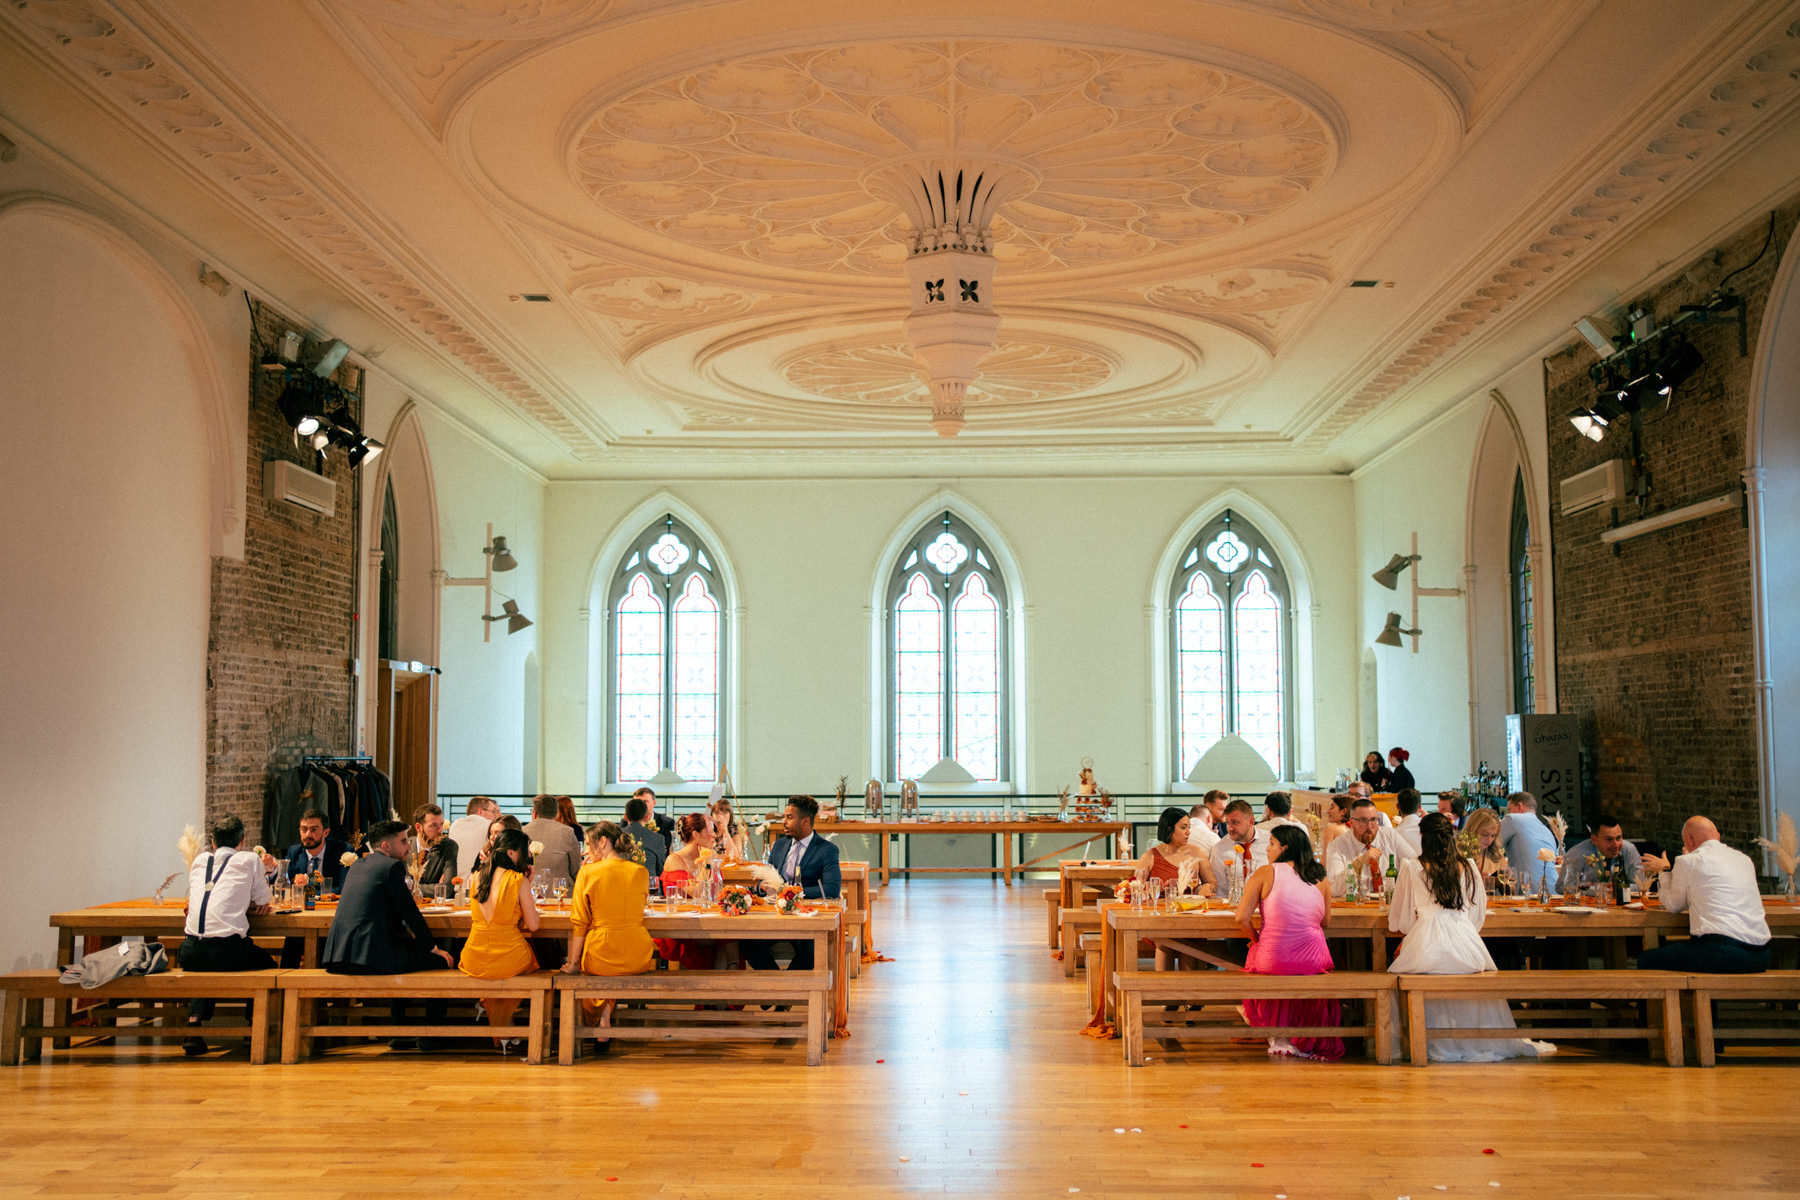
<point x="606" y="927"/>
<point x="501" y="913"/>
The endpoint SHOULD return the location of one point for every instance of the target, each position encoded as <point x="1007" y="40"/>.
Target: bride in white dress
<point x="1440" y="905"/>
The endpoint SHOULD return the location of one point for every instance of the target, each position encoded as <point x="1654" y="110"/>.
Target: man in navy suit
<point x="805" y="859"/>
<point x="317" y="852"/>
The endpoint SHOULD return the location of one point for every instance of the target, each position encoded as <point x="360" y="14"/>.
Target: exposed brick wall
<point x="283" y="619"/>
<point x="1653" y="643"/>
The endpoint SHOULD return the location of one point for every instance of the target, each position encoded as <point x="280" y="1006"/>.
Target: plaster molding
<point x="1709" y="119"/>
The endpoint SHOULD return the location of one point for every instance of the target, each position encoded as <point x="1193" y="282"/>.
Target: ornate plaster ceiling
<point x="714" y="195"/>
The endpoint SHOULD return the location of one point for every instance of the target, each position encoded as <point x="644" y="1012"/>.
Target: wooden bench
<point x="1074" y="923"/>
<point x="154" y="997"/>
<point x="1769" y="985"/>
<point x="1138" y="988"/>
<point x="1661" y="989"/>
<point x="810" y="990"/>
<point x="305" y="988"/>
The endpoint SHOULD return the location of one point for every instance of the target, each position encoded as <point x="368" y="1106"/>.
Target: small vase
<point x="1792" y="896"/>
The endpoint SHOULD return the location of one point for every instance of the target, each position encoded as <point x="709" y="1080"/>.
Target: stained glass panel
<point x="918" y="678"/>
<point x="668" y="554"/>
<point x="638" y="694"/>
<point x="1256" y="634"/>
<point x="1199" y="670"/>
<point x="975" y="657"/>
<point x="1227" y="552"/>
<point x="696" y="681"/>
<point x="946" y="553"/>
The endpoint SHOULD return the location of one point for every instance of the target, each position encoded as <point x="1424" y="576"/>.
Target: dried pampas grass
<point x="1786" y="846"/>
<point x="189" y="846"/>
<point x="1559" y="827"/>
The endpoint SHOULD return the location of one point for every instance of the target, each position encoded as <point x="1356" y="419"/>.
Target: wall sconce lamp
<point x="499" y="558"/>
<point x="1389" y="578"/>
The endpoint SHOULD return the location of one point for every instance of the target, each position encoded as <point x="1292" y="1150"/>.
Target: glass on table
<point x="1155" y="895"/>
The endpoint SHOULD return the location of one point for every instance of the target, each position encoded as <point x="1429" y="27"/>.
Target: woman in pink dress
<point x="1295" y="900"/>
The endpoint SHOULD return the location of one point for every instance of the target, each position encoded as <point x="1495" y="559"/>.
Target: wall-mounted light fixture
<point x="499" y="558"/>
<point x="312" y="402"/>
<point x="1389" y="578"/>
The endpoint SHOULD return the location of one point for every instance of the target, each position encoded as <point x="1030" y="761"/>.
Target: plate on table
<point x="437" y="909"/>
<point x="1574" y="908"/>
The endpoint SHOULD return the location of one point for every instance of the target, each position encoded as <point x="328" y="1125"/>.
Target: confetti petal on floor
<point x="1490" y="1151"/>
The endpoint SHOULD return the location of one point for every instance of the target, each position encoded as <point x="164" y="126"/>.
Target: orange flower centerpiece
<point x="787" y="900"/>
<point x="734" y="901"/>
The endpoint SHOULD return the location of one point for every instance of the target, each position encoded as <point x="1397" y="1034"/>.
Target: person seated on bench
<point x="1364" y="847"/>
<point x="686" y="868"/>
<point x="1242" y="850"/>
<point x="1295" y="900"/>
<point x="501" y="912"/>
<point x="1728" y="932"/>
<point x="806" y="860"/>
<point x="606" y="924"/>
<point x="225" y="886"/>
<point x="317" y="852"/>
<point x="651" y="842"/>
<point x="1278" y="809"/>
<point x="1173" y="850"/>
<point x="1440" y="905"/>
<point x="1613" y="857"/>
<point x="437" y="853"/>
<point x="377" y="929"/>
<point x="1523" y="835"/>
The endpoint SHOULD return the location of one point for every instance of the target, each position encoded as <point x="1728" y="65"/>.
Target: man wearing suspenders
<point x="225" y="886"/>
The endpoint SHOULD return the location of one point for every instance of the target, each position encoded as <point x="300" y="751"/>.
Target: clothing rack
<point x="331" y="758"/>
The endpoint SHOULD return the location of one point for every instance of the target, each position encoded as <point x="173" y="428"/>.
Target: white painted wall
<point x="805" y="554"/>
<point x="481" y="696"/>
<point x="105" y="480"/>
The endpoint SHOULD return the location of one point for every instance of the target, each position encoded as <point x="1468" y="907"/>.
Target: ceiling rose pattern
<point x="1713" y="119"/>
<point x="1249" y="289"/>
<point x="1017" y="371"/>
<point x="1121" y="154"/>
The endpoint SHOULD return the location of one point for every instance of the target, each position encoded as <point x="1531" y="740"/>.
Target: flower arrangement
<point x="1612" y="873"/>
<point x="1785" y="848"/>
<point x="633" y="850"/>
<point x="787" y="900"/>
<point x="536" y="849"/>
<point x="347" y="859"/>
<point x="734" y="901"/>
<point x="258" y="851"/>
<point x="188" y="845"/>
<point x="1560" y="828"/>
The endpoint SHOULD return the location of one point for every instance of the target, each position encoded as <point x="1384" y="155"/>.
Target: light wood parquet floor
<point x="965" y="1075"/>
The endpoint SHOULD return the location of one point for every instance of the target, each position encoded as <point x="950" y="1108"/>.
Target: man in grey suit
<point x="561" y="858"/>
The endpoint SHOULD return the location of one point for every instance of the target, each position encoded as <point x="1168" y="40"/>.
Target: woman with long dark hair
<point x="1375" y="773"/>
<point x="1294" y="897"/>
<point x="1439" y="905"/>
<point x="565" y="812"/>
<point x="1172" y="850"/>
<point x="501" y="913"/>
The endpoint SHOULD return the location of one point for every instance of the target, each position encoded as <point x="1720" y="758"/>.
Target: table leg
<point x="309" y="952"/>
<point x="1007" y="857"/>
<point x="65" y="956"/>
<point x="12" y="1024"/>
<point x="840" y="985"/>
<point x="885" y="839"/>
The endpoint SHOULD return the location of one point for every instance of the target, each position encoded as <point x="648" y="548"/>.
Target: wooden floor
<point x="965" y="1075"/>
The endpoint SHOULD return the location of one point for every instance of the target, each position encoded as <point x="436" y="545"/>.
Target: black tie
<point x="314" y="869"/>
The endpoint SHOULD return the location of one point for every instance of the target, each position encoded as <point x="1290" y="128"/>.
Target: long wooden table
<point x="855" y="892"/>
<point x="824" y="928"/>
<point x="1204" y="935"/>
<point x="1080" y="833"/>
<point x="1103" y="875"/>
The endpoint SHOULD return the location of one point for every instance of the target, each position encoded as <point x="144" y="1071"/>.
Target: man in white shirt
<point x="470" y="833"/>
<point x="1243" y="848"/>
<point x="1407" y="802"/>
<point x="1362" y="791"/>
<point x="1364" y="847"/>
<point x="225" y="886"/>
<point x="1728" y="933"/>
<point x="1278" y="809"/>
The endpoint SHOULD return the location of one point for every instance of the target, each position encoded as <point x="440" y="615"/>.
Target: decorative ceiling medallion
<point x="512" y="19"/>
<point x="783" y="158"/>
<point x="1016" y="372"/>
<point x="1249" y="289"/>
<point x="638" y="298"/>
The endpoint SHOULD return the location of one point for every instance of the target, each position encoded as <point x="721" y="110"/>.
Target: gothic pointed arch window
<point x="1232" y="636"/>
<point x="948" y="630"/>
<point x="666" y="657"/>
<point x="1523" y="658"/>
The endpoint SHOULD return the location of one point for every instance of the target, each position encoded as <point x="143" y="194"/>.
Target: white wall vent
<point x="294" y="483"/>
<point x="1590" y="489"/>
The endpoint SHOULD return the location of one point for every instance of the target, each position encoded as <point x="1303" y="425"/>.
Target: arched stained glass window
<point x="1524" y="666"/>
<point x="666" y="639"/>
<point x="947" y="621"/>
<point x="1231" y="635"/>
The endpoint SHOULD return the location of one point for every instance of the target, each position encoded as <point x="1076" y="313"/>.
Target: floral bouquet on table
<point x="787" y="900"/>
<point x="1550" y="860"/>
<point x="734" y="901"/>
<point x="1786" y="849"/>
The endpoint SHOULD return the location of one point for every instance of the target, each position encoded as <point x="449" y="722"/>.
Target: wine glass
<point x="559" y="890"/>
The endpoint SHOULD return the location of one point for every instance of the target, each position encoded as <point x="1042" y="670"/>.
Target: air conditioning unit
<point x="1603" y="484"/>
<point x="294" y="483"/>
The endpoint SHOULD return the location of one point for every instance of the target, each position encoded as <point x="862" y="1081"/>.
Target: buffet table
<point x="1080" y="835"/>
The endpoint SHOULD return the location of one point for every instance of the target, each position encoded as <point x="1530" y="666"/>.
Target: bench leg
<point x="1415" y="1028"/>
<point x="534" y="1041"/>
<point x="1671" y="1017"/>
<point x="12" y="1026"/>
<point x="257" y="1007"/>
<point x="32" y="1048"/>
<point x="815" y="1027"/>
<point x="1131" y="1027"/>
<point x="1071" y="948"/>
<point x="290" y="1027"/>
<point x="571" y="1022"/>
<point x="1385" y="1019"/>
<point x="1703" y="1028"/>
<point x="1055" y="927"/>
